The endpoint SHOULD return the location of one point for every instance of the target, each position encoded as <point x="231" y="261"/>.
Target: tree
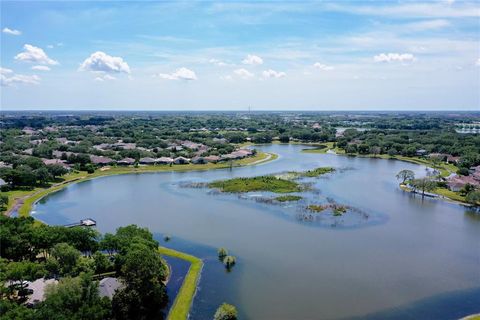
<point x="424" y="184"/>
<point x="473" y="197"/>
<point x="67" y="258"/>
<point x="226" y="312"/>
<point x="405" y="175"/>
<point x="74" y="298"/>
<point x="229" y="262"/>
<point x="101" y="262"/>
<point x="222" y="253"/>
<point x="143" y="272"/>
<point x="3" y="201"/>
<point x="56" y="170"/>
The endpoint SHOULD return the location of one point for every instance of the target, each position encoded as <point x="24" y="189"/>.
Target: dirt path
<point x="17" y="204"/>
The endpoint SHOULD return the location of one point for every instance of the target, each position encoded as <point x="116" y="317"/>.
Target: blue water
<point x="414" y="261"/>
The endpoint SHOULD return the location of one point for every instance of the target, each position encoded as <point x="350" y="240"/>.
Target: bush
<point x="226" y="312"/>
<point x="229" y="261"/>
<point x="222" y="253"/>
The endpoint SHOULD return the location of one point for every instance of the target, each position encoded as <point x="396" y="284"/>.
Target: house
<point x="199" y="160"/>
<point x="126" y="162"/>
<point x="181" y="160"/>
<point x="164" y="160"/>
<point x="37" y="288"/>
<point x="101" y="160"/>
<point x="421" y="152"/>
<point x="59" y="154"/>
<point x="147" y="160"/>
<point x="59" y="162"/>
<point x="456" y="183"/>
<point x="28" y="151"/>
<point x="213" y="159"/>
<point x="108" y="286"/>
<point x="28" y="130"/>
<point x="438" y="156"/>
<point x="452" y="159"/>
<point x="191" y="145"/>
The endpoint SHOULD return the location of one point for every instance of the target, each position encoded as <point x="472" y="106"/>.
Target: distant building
<point x="421" y="152"/>
<point x="147" y="160"/>
<point x="126" y="162"/>
<point x="213" y="159"/>
<point x="101" y="160"/>
<point x="164" y="160"/>
<point x="181" y="160"/>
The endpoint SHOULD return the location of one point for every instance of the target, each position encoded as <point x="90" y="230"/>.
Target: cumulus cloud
<point x="12" y="32"/>
<point x="273" y="74"/>
<point x="478" y="62"/>
<point x="9" y="78"/>
<point x="102" y="62"/>
<point x="217" y="62"/>
<point x="41" y="68"/>
<point x="322" y="67"/>
<point x="180" y="74"/>
<point x="243" y="73"/>
<point x="394" y="57"/>
<point x="252" y="60"/>
<point x="35" y="55"/>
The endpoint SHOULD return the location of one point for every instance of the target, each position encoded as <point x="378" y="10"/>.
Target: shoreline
<point x="24" y="204"/>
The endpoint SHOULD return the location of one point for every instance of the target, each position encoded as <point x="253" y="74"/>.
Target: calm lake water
<point x="418" y="260"/>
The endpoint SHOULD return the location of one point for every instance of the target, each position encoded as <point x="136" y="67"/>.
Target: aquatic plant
<point x="261" y="183"/>
<point x="229" y="262"/>
<point x="222" y="253"/>
<point x="287" y="198"/>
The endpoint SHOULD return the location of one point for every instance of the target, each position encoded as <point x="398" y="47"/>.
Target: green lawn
<point x="183" y="301"/>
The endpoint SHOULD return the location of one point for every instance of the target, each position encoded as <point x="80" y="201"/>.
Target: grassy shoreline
<point x="181" y="306"/>
<point x="23" y="201"/>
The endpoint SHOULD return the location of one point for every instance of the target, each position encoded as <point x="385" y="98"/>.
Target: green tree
<point x="74" y="298"/>
<point x="67" y="258"/>
<point x="143" y="272"/>
<point x="424" y="185"/>
<point x="226" y="312"/>
<point x="473" y="197"/>
<point x="20" y="272"/>
<point x="405" y="175"/>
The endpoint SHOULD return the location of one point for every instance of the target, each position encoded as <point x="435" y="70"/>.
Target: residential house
<point x="213" y="159"/>
<point x="108" y="286"/>
<point x="37" y="288"/>
<point x="126" y="162"/>
<point x="181" y="160"/>
<point x="164" y="160"/>
<point x="101" y="160"/>
<point x="147" y="161"/>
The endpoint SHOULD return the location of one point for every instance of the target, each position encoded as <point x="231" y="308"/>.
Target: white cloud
<point x="8" y="78"/>
<point x="102" y="62"/>
<point x="217" y="62"/>
<point x="411" y="9"/>
<point x="41" y="68"/>
<point x="227" y="77"/>
<point x="180" y="74"/>
<point x="273" y="74"/>
<point x="252" y="60"/>
<point x="104" y="77"/>
<point x="394" y="57"/>
<point x="478" y="62"/>
<point x="426" y="25"/>
<point x="35" y="55"/>
<point x="243" y="73"/>
<point x="322" y="67"/>
<point x="12" y="32"/>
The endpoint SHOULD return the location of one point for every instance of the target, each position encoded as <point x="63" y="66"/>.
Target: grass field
<point x="181" y="306"/>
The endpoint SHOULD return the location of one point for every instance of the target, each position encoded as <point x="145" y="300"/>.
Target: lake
<point x="416" y="259"/>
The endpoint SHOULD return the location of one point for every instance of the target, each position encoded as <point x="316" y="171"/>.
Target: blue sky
<point x="323" y="55"/>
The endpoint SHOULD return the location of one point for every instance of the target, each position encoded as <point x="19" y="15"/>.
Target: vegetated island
<point x="337" y="209"/>
<point x="260" y="183"/>
<point x="288" y="198"/>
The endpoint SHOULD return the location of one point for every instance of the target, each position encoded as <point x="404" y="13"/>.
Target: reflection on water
<point x="288" y="269"/>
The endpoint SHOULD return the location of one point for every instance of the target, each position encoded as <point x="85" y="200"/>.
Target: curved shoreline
<point x="23" y="205"/>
